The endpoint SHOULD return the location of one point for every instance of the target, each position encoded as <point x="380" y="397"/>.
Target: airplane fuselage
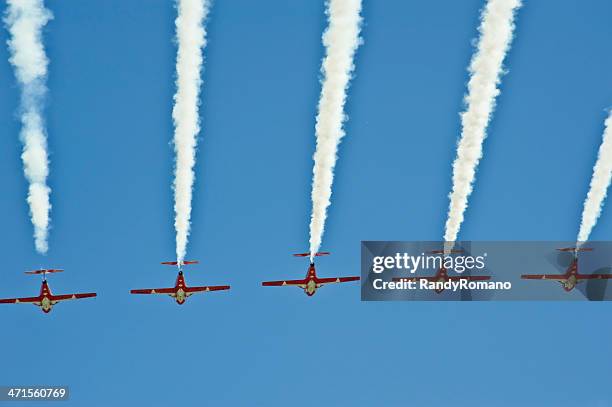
<point x="311" y="285"/>
<point x="45" y="302"/>
<point x="441" y="277"/>
<point x="180" y="295"/>
<point x="570" y="283"/>
<point x="571" y="277"/>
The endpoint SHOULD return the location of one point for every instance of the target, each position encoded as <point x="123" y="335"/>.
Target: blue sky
<point x="109" y="122"/>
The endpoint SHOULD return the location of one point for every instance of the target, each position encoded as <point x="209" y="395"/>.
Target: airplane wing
<point x="19" y="300"/>
<point x="299" y="283"/>
<point x="207" y="288"/>
<point x="595" y="276"/>
<point x="557" y="277"/>
<point x="65" y="297"/>
<point x="332" y="280"/>
<point x="153" y="291"/>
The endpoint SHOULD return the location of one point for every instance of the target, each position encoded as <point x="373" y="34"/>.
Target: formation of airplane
<point x="180" y="291"/>
<point x="571" y="277"/>
<point x="311" y="283"/>
<point x="442" y="275"/>
<point x="46" y="300"/>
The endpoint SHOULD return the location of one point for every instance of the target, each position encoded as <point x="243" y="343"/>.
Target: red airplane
<point x="180" y="291"/>
<point x="46" y="300"/>
<point x="571" y="278"/>
<point x="442" y="274"/>
<point x="311" y="282"/>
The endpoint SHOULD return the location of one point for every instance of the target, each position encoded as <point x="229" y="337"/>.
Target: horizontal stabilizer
<point x="436" y="278"/>
<point x="576" y="249"/>
<point x="308" y="254"/>
<point x="44" y="271"/>
<point x="449" y="252"/>
<point x="174" y="263"/>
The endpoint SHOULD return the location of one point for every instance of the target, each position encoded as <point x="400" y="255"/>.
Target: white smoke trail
<point x="602" y="174"/>
<point x="497" y="25"/>
<point x="341" y="40"/>
<point x="25" y="20"/>
<point x="191" y="38"/>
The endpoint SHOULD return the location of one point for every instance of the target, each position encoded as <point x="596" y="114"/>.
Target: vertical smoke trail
<point x="25" y="20"/>
<point x="341" y="40"/>
<point x="497" y="24"/>
<point x="191" y="38"/>
<point x="602" y="173"/>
